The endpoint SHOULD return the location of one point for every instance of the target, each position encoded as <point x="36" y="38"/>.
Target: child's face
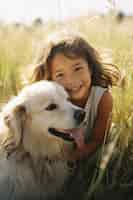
<point x="74" y="75"/>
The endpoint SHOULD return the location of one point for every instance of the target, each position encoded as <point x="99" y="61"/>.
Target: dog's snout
<point x="79" y="115"/>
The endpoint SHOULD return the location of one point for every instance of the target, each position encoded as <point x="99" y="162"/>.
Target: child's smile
<point x="74" y="75"/>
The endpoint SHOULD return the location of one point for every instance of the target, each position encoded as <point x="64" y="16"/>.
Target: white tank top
<point x="91" y="108"/>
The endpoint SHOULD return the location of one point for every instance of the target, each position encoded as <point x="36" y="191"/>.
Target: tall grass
<point x="14" y="53"/>
<point x="18" y="48"/>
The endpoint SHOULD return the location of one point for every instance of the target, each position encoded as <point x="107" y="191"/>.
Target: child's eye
<point x="78" y="68"/>
<point x="51" y="107"/>
<point x="60" y="75"/>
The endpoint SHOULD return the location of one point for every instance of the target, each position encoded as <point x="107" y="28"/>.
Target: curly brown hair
<point x="72" y="46"/>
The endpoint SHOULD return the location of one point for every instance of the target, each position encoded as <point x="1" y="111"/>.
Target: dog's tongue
<point x="73" y="134"/>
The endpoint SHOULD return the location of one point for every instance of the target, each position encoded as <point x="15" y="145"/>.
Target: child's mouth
<point x="76" y="88"/>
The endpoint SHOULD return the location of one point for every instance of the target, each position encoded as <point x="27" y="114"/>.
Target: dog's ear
<point x="15" y="120"/>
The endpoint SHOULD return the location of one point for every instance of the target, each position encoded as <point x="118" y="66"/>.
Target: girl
<point x="69" y="60"/>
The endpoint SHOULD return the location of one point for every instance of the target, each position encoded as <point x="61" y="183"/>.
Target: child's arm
<point x="101" y="125"/>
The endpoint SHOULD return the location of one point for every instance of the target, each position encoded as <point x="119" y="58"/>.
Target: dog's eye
<point x="52" y="106"/>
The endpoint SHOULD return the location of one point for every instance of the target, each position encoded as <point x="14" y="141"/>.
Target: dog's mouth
<point x="65" y="134"/>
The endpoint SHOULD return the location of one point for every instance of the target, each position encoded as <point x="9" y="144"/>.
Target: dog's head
<point x="34" y="111"/>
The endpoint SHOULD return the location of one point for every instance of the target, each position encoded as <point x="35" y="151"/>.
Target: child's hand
<point x="78" y="135"/>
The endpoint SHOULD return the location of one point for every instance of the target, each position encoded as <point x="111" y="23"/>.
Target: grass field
<point x="20" y="45"/>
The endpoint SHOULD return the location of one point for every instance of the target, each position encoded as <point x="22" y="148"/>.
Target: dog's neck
<point x="40" y="146"/>
<point x="20" y="156"/>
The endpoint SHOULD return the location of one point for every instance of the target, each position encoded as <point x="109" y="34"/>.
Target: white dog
<point x="32" y="164"/>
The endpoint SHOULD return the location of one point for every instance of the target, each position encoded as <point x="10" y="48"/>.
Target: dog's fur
<point x="32" y="161"/>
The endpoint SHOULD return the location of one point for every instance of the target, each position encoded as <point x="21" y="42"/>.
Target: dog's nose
<point x="79" y="115"/>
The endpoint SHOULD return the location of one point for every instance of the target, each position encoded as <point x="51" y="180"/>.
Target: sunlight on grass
<point x="19" y="46"/>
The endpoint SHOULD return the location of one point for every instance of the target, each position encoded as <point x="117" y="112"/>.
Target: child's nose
<point x="68" y="84"/>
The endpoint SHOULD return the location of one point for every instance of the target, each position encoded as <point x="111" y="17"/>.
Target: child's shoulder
<point x="99" y="88"/>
